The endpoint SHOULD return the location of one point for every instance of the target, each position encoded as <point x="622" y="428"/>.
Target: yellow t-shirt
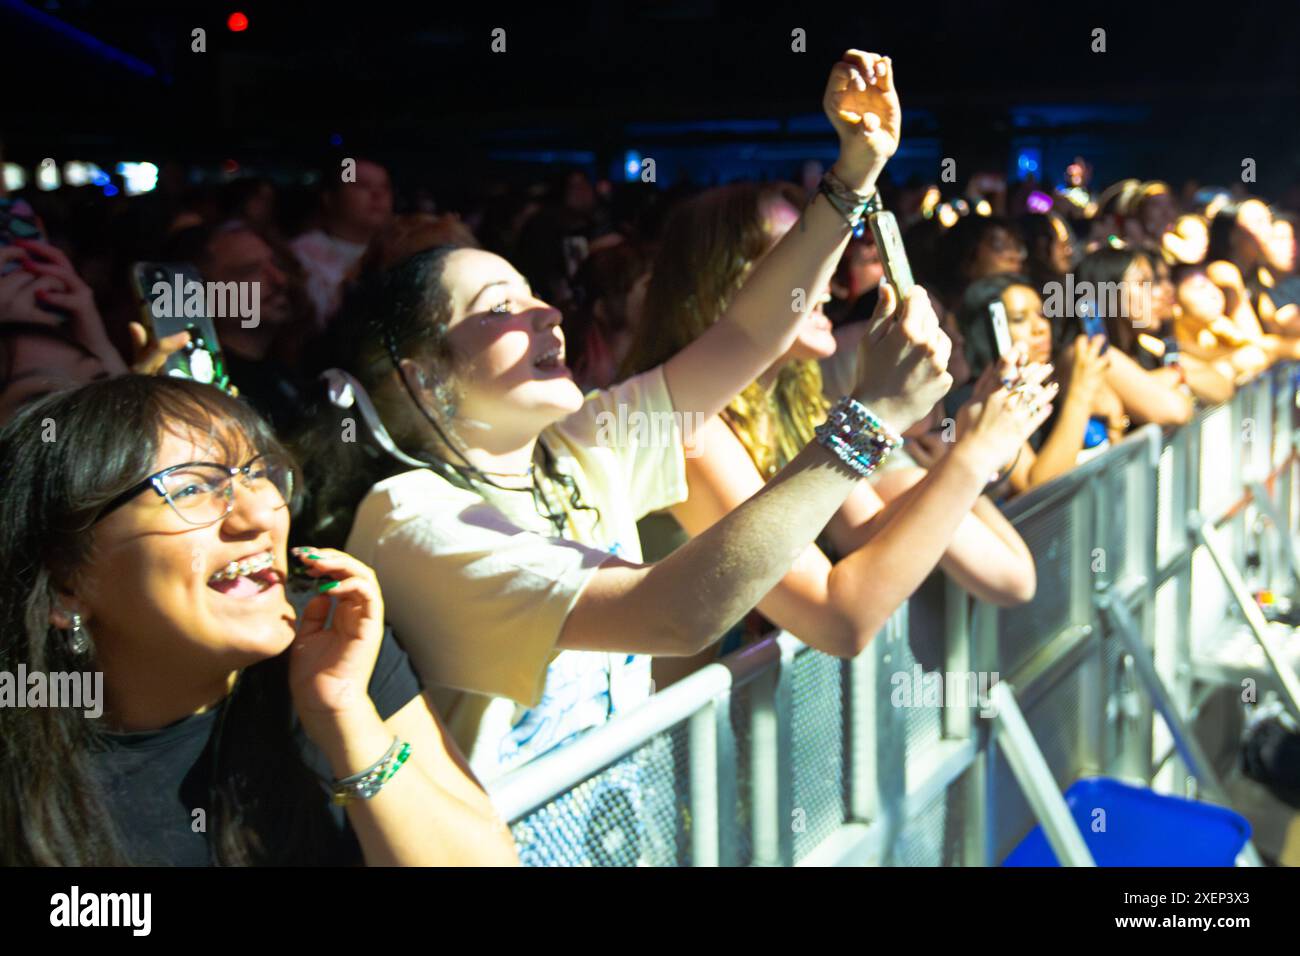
<point x="478" y="586"/>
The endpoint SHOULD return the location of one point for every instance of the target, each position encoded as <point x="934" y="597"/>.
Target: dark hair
<point x="975" y="322"/>
<point x="268" y="807"/>
<point x="607" y="276"/>
<point x="922" y="240"/>
<point x="1222" y="227"/>
<point x="958" y="246"/>
<point x="1039" y="233"/>
<point x="1109" y="264"/>
<point x="395" y="313"/>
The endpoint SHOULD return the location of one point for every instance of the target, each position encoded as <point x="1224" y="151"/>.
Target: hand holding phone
<point x="1001" y="331"/>
<point x="1092" y="322"/>
<point x="165" y="292"/>
<point x="889" y="243"/>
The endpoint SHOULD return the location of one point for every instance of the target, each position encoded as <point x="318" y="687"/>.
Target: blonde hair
<point x="708" y="248"/>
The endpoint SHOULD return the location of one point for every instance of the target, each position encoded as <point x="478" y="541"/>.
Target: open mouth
<point x="247" y="577"/>
<point x="550" y="360"/>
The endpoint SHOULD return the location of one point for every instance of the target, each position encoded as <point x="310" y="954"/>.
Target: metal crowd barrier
<point x="1129" y="662"/>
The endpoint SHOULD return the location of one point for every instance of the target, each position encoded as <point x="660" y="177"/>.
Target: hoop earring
<point x="79" y="639"/>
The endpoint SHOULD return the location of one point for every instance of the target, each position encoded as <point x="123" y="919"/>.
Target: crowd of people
<point x="476" y="572"/>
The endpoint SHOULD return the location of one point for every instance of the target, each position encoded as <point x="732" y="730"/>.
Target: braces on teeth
<point x="237" y="569"/>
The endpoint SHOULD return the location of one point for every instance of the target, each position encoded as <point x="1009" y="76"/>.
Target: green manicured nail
<point x="327" y="585"/>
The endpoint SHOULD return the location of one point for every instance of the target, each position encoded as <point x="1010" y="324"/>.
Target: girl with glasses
<point x="145" y="537"/>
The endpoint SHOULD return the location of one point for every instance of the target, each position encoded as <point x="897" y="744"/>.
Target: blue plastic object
<point x="1142" y="828"/>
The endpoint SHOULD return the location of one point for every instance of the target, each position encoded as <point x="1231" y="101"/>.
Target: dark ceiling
<point x="423" y="76"/>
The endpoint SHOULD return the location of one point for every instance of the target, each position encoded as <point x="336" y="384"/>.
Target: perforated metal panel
<point x="1168" y="529"/>
<point x="1216" y="478"/>
<point x="1112" y="509"/>
<point x="1023" y="630"/>
<point x="1283" y="412"/>
<point x="742" y="710"/>
<point x="922" y="726"/>
<point x="1210" y="602"/>
<point x="936" y="835"/>
<point x="634" y="813"/>
<point x="817" y="749"/>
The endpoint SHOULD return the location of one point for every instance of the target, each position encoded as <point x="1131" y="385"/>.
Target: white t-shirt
<point x="478" y="586"/>
<point x="326" y="260"/>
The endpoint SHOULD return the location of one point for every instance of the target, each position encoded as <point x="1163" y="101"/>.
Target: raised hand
<point x="862" y="104"/>
<point x="330" y="667"/>
<point x="903" y="361"/>
<point x="1088" y="368"/>
<point x="1001" y="417"/>
<point x="151" y="356"/>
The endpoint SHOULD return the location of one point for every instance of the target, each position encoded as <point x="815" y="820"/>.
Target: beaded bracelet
<point x="857" y="437"/>
<point x="849" y="203"/>
<point x="367" y="783"/>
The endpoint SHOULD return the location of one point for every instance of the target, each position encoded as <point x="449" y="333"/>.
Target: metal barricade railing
<point x="780" y="755"/>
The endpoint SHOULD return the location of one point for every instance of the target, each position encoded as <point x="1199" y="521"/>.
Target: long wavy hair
<point x="402" y="311"/>
<point x="709" y="246"/>
<point x="267" y="806"/>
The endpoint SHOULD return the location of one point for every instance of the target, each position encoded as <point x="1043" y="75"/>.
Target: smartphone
<point x="889" y="243"/>
<point x="1092" y="322"/>
<point x="1001" y="331"/>
<point x="173" y="299"/>
<point x="17" y="221"/>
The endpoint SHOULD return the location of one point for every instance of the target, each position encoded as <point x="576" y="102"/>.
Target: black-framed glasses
<point x="203" y="492"/>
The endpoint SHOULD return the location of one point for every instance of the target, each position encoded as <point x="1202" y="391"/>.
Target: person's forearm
<point x="1060" y="452"/>
<point x="1145" y="398"/>
<point x="761" y="321"/>
<point x="412" y="821"/>
<point x="687" y="600"/>
<point x="872" y="581"/>
<point x="1206" y="383"/>
<point x="989" y="559"/>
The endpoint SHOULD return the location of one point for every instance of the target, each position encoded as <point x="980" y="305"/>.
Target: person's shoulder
<point x="417" y="490"/>
<point x="313" y="241"/>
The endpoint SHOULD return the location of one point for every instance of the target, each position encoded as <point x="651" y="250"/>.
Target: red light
<point x="237" y="22"/>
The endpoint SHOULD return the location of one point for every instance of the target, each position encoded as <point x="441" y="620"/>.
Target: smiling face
<point x="1200" y="297"/>
<point x="815" y="339"/>
<point x="507" y="349"/>
<point x="154" y="588"/>
<point x="1139" y="293"/>
<point x="1030" y="331"/>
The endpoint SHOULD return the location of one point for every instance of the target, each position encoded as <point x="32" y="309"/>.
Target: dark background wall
<point x="709" y="89"/>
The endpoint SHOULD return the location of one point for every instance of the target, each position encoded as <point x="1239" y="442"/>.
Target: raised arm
<point x="761" y="321"/>
<point x="683" y="603"/>
<point x="1145" y="396"/>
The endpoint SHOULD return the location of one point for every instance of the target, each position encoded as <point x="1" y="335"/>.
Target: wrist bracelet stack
<point x="849" y="203"/>
<point x="367" y="783"/>
<point x="857" y="437"/>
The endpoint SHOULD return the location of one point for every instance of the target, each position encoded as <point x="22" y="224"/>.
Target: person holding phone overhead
<point x="1087" y="402"/>
<point x="51" y="332"/>
<point x="879" y="554"/>
<point x="501" y="515"/>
